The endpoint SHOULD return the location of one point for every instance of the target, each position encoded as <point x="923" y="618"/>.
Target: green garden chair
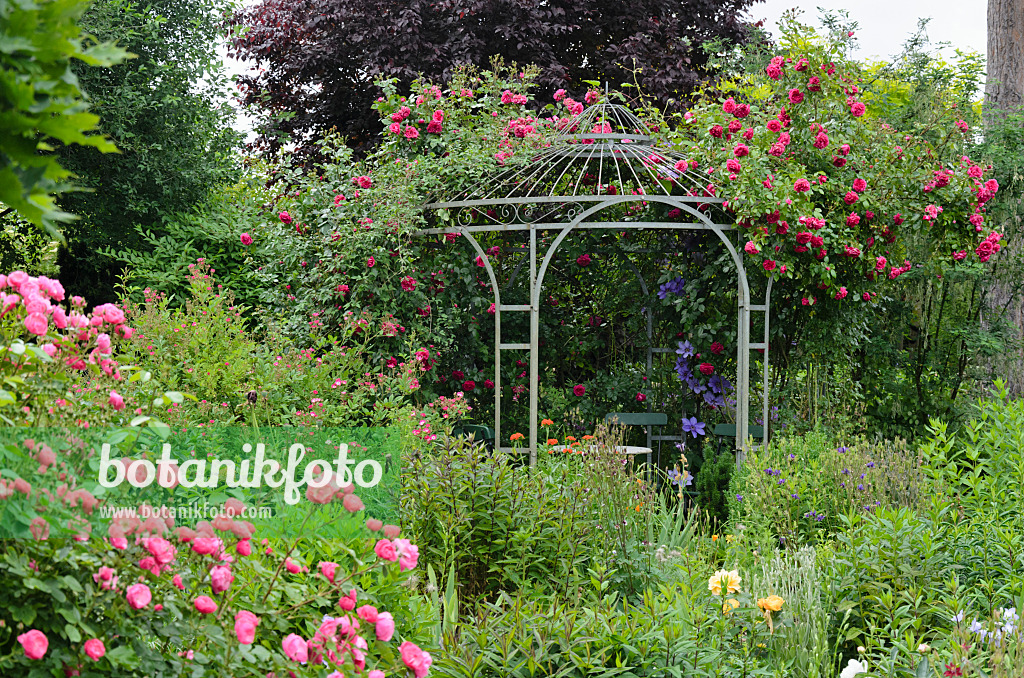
<point x="646" y="419"/>
<point x="724" y="431"/>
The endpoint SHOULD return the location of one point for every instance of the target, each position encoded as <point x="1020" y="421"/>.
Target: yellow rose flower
<point x="724" y="580"/>
<point x="773" y="603"/>
<point x="730" y="605"/>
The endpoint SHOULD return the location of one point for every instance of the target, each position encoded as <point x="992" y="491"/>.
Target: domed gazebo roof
<point x="605" y="151"/>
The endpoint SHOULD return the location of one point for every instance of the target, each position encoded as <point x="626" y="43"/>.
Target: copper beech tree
<point x="314" y="62"/>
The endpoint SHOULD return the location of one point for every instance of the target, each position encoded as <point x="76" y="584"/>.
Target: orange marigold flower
<point x="714" y="537"/>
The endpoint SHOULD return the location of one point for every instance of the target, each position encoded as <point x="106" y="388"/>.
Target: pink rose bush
<point x="818" y="159"/>
<point x="193" y="569"/>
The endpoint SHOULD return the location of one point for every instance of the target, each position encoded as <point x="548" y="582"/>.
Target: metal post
<point x="533" y="387"/>
<point x="764" y="378"/>
<point x="742" y="378"/>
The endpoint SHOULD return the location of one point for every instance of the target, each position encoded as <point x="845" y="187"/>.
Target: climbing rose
<point x="246" y="239"/>
<point x="741" y="150"/>
<point x="850" y="197"/>
<point x="411" y="132"/>
<point x="370" y="262"/>
<point x="857" y="109"/>
<point x="579" y="390"/>
<point x="774" y="125"/>
<point x="768" y="265"/>
<point x="408" y="284"/>
<point x="859" y="185"/>
<point x="841" y="294"/>
<point x="795" y="96"/>
<point x="802" y="186"/>
<point x="94" y="649"/>
<point x="34" y="643"/>
<point x="729" y="106"/>
<point x="285" y="217"/>
<point x="717" y="348"/>
<point x="205" y="604"/>
<point x="706" y="369"/>
<point x="583" y="260"/>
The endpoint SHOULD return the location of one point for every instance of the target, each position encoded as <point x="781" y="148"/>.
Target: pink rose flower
<point x="328" y="569"/>
<point x="36" y="324"/>
<point x="408" y="554"/>
<point x="246" y="239"/>
<point x="368" y="613"/>
<point x="802" y="186"/>
<point x="579" y="390"/>
<point x="245" y="626"/>
<point x="385" y="550"/>
<point x="34" y="642"/>
<point x="138" y="596"/>
<point x="116" y="401"/>
<point x="205" y="604"/>
<point x="204" y="546"/>
<point x="348" y="601"/>
<point x="385" y="627"/>
<point x="295" y="648"/>
<point x="94" y="649"/>
<point x="285" y="217"/>
<point x="221" y="578"/>
<point x="416" y="659"/>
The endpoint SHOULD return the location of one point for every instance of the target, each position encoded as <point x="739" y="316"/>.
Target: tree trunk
<point x="1004" y="86"/>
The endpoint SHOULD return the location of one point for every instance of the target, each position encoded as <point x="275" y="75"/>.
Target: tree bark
<point x="1004" y="86"/>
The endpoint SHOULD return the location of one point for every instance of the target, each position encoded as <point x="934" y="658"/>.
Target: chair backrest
<point x="478" y="432"/>
<point x="729" y="431"/>
<point x="636" y="418"/>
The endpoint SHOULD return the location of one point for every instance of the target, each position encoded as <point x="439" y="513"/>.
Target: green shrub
<point x="712" y="484"/>
<point x="503" y="527"/>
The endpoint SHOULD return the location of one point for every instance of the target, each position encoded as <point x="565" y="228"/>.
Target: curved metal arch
<point x="743" y="335"/>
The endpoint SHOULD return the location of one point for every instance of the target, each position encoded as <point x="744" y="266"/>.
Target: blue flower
<point x="685" y="349"/>
<point x="739" y="497"/>
<point x="675" y="286"/>
<point x="693" y="427"/>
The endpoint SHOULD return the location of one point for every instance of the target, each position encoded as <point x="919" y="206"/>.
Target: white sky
<point x="886" y="24"/>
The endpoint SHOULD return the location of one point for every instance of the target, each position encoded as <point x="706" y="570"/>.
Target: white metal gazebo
<point x="604" y="160"/>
